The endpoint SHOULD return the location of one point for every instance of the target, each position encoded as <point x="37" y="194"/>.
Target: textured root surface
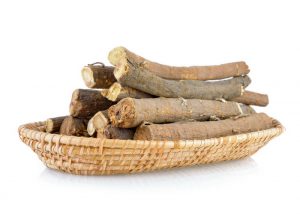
<point x="122" y="115"/>
<point x="74" y="126"/>
<point x="86" y="103"/>
<point x="111" y="132"/>
<point x="204" y="130"/>
<point x="53" y="124"/>
<point x="120" y="54"/>
<point x="130" y="112"/>
<point x="252" y="98"/>
<point x="132" y="75"/>
<point x="117" y="92"/>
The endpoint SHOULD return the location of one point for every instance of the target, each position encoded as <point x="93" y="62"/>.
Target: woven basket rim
<point x="35" y="131"/>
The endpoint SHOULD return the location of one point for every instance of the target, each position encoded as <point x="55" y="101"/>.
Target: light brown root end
<point x="90" y="127"/>
<point x="242" y="66"/>
<point x="100" y="121"/>
<point x="88" y="77"/>
<point x="49" y="125"/>
<point x="75" y="106"/>
<point x="97" y="123"/>
<point x="121" y="70"/>
<point x="117" y="55"/>
<point x="267" y="101"/>
<point x="113" y="92"/>
<point x="246" y="66"/>
<point x="122" y="114"/>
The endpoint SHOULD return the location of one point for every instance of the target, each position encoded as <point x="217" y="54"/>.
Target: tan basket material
<point x="94" y="156"/>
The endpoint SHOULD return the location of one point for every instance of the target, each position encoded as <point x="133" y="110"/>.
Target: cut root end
<point x="113" y="92"/>
<point x="116" y="55"/>
<point x="121" y="70"/>
<point x="75" y="106"/>
<point x="49" y="125"/>
<point x="88" y="77"/>
<point x="90" y="127"/>
<point x="122" y="114"/>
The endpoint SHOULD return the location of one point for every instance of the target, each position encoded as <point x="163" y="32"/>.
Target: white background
<point x="43" y="46"/>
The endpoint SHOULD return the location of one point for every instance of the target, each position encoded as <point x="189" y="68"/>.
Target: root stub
<point x="130" y="112"/>
<point x="53" y="124"/>
<point x="252" y="98"/>
<point x="121" y="54"/>
<point x="117" y="92"/>
<point x="98" y="76"/>
<point x="111" y="132"/>
<point x="85" y="103"/>
<point x="97" y="122"/>
<point x="132" y="75"/>
<point x="204" y="130"/>
<point x="74" y="126"/>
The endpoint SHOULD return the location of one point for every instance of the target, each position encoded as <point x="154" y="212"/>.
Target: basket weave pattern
<point x="95" y="156"/>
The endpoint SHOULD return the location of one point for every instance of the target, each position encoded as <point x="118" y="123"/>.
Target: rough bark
<point x="131" y="112"/>
<point x="116" y="92"/>
<point x="53" y="124"/>
<point x="97" y="122"/>
<point x="121" y="54"/>
<point x="252" y="98"/>
<point x="204" y="130"/>
<point x="85" y="103"/>
<point x="132" y="75"/>
<point x="98" y="75"/>
<point x="111" y="132"/>
<point x="74" y="126"/>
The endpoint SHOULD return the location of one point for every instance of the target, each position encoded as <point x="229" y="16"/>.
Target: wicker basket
<point x="94" y="156"/>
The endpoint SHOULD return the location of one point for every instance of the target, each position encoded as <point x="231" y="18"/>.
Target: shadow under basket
<point x="95" y="156"/>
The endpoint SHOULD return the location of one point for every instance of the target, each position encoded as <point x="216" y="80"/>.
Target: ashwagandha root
<point x="121" y="54"/>
<point x="98" y="122"/>
<point x="204" y="130"/>
<point x="111" y="132"/>
<point x="98" y="75"/>
<point x="74" y="126"/>
<point x="132" y="75"/>
<point x="252" y="98"/>
<point x="116" y="92"/>
<point x="86" y="102"/>
<point x="131" y="112"/>
<point x="53" y="124"/>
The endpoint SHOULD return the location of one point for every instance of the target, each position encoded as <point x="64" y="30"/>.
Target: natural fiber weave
<point x="95" y="156"/>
